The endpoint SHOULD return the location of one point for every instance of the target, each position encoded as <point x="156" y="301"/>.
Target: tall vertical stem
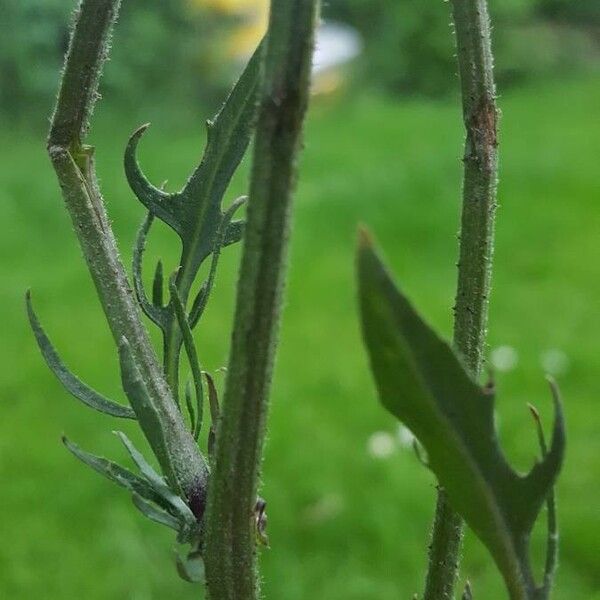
<point x="230" y="546"/>
<point x="475" y="63"/>
<point x="73" y="163"/>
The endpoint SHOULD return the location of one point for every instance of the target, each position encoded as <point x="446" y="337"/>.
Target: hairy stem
<point x="230" y="547"/>
<point x="475" y="62"/>
<point x="73" y="162"/>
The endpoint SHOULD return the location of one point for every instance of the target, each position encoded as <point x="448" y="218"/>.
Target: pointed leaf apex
<point x="535" y="413"/>
<point x="365" y="239"/>
<point x="140" y="130"/>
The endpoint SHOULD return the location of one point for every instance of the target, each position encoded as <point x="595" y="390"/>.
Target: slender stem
<point x="480" y="116"/>
<point x="73" y="162"/>
<point x="230" y="548"/>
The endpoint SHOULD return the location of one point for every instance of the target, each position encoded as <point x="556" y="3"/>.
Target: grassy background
<point x="342" y="523"/>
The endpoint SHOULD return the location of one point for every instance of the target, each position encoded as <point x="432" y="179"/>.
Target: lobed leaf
<point x="422" y="382"/>
<point x="194" y="212"/>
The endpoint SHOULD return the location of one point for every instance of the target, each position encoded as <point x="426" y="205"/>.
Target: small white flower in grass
<point x="325" y="508"/>
<point x="554" y="361"/>
<point x="504" y="358"/>
<point x="381" y="444"/>
<point x="405" y="437"/>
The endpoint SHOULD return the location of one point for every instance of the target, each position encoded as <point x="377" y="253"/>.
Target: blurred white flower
<point x="554" y="361"/>
<point x="324" y="508"/>
<point x="405" y="437"/>
<point x="504" y="358"/>
<point x="381" y="444"/>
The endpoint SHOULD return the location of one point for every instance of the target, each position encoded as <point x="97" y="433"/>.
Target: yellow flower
<point x="253" y="22"/>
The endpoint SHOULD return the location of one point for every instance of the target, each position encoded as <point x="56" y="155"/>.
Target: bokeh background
<point x="349" y="505"/>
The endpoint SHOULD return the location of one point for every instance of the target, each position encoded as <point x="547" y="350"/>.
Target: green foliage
<point x="423" y="383"/>
<point x="409" y="47"/>
<point x="33" y="40"/>
<point x="150" y="493"/>
<point x="76" y="525"/>
<point x="195" y="214"/>
<point x="163" y="49"/>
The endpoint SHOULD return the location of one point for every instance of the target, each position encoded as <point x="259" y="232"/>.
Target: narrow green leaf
<point x="72" y="383"/>
<point x="190" y="348"/>
<point x="422" y="382"/>
<point x="157" y="285"/>
<point x="224" y="228"/>
<point x="213" y="402"/>
<point x="153" y="310"/>
<point x="142" y="464"/>
<point x="159" y="485"/>
<point x="551" y="512"/>
<point x="136" y="391"/>
<point x="154" y="513"/>
<point x="119" y="475"/>
<point x="189" y="402"/>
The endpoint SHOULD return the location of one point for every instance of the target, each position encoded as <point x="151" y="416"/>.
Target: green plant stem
<point x="73" y="162"/>
<point x="475" y="62"/>
<point x="230" y="545"/>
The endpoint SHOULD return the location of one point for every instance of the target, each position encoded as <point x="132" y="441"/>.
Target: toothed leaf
<point x="195" y="212"/>
<point x="422" y="382"/>
<point x="71" y="382"/>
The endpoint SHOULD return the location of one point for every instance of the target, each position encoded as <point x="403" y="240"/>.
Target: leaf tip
<point x="365" y="239"/>
<point x="140" y="130"/>
<point x="535" y="413"/>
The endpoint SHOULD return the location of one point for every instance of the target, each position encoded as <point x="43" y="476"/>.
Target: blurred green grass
<point x="342" y="524"/>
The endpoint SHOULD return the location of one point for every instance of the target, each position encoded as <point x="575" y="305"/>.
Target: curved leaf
<point x="165" y="206"/>
<point x="153" y="310"/>
<point x="71" y="382"/>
